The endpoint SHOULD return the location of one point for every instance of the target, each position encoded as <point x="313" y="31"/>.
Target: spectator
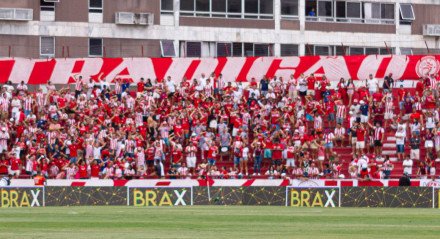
<point x="400" y="143"/>
<point x="407" y="165"/>
<point x="404" y="181"/>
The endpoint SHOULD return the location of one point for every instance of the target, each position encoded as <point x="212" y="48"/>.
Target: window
<point x="95" y="6"/>
<point x="218" y="6"/>
<point x="248" y="49"/>
<point x="258" y="9"/>
<point x="356" y="51"/>
<point x="166" y="6"/>
<point x="262" y="50"/>
<point x="224" y="49"/>
<point x="325" y="9"/>
<point x="379" y="13"/>
<point x="234" y="6"/>
<point x="47" y="46"/>
<point x="289" y="7"/>
<point x="266" y="7"/>
<point x="202" y="5"/>
<point x="193" y="49"/>
<point x="354" y="10"/>
<point x="95" y="47"/>
<point x="371" y="51"/>
<point x="341" y="50"/>
<point x="385" y="51"/>
<point x="387" y="11"/>
<point x="237" y="49"/>
<point x="167" y="48"/>
<point x="311" y="8"/>
<point x="187" y="5"/>
<point x="323" y="51"/>
<point x="47" y="6"/>
<point x="406" y="51"/>
<point x="251" y="6"/>
<point x="407" y="12"/>
<point x="340" y="9"/>
<point x="47" y="12"/>
<point x="289" y="50"/>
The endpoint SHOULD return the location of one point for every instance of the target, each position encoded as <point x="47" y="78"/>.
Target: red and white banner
<point x="242" y="69"/>
<point x="223" y="183"/>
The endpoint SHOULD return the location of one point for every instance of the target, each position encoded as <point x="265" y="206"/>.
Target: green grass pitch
<point x="218" y="222"/>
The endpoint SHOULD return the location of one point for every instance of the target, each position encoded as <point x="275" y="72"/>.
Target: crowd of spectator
<point x="273" y="127"/>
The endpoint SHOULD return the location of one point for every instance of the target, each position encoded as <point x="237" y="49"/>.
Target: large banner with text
<point x="407" y="197"/>
<point x="240" y="69"/>
<point x="22" y="197"/>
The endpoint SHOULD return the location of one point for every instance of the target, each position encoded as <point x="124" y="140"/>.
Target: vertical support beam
<point x="397" y="22"/>
<point x="277" y="18"/>
<point x="176" y="7"/>
<point x="302" y="27"/>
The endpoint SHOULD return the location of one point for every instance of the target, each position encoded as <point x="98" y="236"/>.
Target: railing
<point x="226" y="15"/>
<point x="350" y="20"/>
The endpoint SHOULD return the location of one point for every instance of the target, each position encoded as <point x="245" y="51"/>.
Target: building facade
<point x="211" y="28"/>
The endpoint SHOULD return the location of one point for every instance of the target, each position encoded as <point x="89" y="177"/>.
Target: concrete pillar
<point x="302" y="26"/>
<point x="277" y="18"/>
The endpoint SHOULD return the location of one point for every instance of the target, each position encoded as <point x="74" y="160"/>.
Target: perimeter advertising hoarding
<point x="22" y="197"/>
<point x="409" y="197"/>
<point x="86" y="196"/>
<point x="256" y="196"/>
<point x="313" y="197"/>
<point x="436" y="197"/>
<point x="160" y="196"/>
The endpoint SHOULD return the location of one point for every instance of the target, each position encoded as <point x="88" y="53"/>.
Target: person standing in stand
<point x="191" y="151"/>
<point x="39" y="180"/>
<point x="361" y="133"/>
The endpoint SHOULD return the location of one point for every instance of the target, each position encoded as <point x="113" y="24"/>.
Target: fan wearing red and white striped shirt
<point x="191" y="151"/>
<point x="4" y="104"/>
<point x="27" y="105"/>
<point x="378" y="136"/>
<point x="341" y="113"/>
<point x="389" y="110"/>
<point x="78" y="85"/>
<point x="339" y="135"/>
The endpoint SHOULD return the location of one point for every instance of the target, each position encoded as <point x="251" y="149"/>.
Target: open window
<point x="347" y="11"/>
<point x="406" y="13"/>
<point x="379" y="13"/>
<point x="167" y="48"/>
<point x="311" y="6"/>
<point x="325" y="10"/>
<point x="289" y="8"/>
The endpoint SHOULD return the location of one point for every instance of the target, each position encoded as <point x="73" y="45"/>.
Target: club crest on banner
<point x="427" y="65"/>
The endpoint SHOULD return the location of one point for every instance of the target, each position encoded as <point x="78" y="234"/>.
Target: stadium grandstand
<point x="227" y="89"/>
